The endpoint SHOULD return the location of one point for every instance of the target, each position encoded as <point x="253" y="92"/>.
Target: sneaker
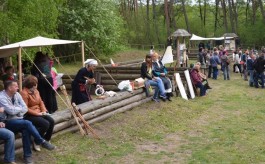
<point x="155" y="100"/>
<point x="36" y="147"/>
<point x="9" y="162"/>
<point x="28" y="160"/>
<point x="164" y="98"/>
<point x="47" y="145"/>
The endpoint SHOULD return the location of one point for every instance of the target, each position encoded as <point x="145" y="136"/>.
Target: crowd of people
<point x="28" y="111"/>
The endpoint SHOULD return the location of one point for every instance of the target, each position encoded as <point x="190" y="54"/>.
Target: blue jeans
<point x="9" y="139"/>
<point x="159" y="87"/>
<point x="202" y="89"/>
<point x="251" y="78"/>
<point x="215" y="72"/>
<point x="256" y="79"/>
<point x="27" y="129"/>
<point x="226" y="72"/>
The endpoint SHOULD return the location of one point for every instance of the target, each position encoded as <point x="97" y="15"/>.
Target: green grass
<point x="226" y="126"/>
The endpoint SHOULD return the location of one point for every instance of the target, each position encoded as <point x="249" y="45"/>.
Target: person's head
<point x="200" y="49"/>
<point x="148" y="58"/>
<point x="155" y="56"/>
<point x="215" y="49"/>
<point x="9" y="70"/>
<point x="91" y="64"/>
<point x="11" y="87"/>
<point x="30" y="82"/>
<point x="197" y="66"/>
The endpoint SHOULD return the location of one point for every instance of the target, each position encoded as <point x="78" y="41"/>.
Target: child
<point x="9" y="74"/>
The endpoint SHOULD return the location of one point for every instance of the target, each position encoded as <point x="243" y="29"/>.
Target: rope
<point x="101" y="64"/>
<point x="45" y="78"/>
<point x="61" y="66"/>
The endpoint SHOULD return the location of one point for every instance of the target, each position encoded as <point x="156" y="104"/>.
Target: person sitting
<point x="14" y="110"/>
<point x="197" y="80"/>
<point x="84" y="76"/>
<point x="159" y="70"/>
<point x="37" y="112"/>
<point x="9" y="139"/>
<point x="146" y="73"/>
<point x="9" y="74"/>
<point x="203" y="77"/>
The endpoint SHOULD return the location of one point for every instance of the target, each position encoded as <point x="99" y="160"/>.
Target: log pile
<point x="93" y="112"/>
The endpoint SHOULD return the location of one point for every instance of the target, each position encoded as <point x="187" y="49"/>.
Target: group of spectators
<point x="28" y="111"/>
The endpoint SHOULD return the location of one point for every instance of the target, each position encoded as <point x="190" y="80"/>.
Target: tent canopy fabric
<point x="39" y="41"/>
<point x="195" y="37"/>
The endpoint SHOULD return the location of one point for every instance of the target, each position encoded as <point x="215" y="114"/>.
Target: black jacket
<point x="144" y="73"/>
<point x="259" y="64"/>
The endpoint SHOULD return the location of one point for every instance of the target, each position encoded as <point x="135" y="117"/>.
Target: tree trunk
<point x="172" y="15"/>
<point x="155" y="21"/>
<point x="185" y="15"/>
<point x="262" y="9"/>
<point x="167" y="17"/>
<point x="254" y="9"/>
<point x="200" y="7"/>
<point x="231" y="16"/>
<point x="148" y="22"/>
<point x="216" y="15"/>
<point x="247" y="9"/>
<point x="204" y="13"/>
<point x="235" y="15"/>
<point x="224" y="14"/>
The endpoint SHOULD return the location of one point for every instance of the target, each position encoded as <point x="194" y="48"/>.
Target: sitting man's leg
<point x="9" y="149"/>
<point x="202" y="89"/>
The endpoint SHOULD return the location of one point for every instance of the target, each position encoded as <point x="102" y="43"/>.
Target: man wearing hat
<point x="84" y="76"/>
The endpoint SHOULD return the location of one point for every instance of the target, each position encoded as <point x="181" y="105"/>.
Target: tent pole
<point x="83" y="53"/>
<point x="178" y="53"/>
<point x="10" y="61"/>
<point x="20" y="69"/>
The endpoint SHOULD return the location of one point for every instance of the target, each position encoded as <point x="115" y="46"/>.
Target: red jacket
<point x="195" y="76"/>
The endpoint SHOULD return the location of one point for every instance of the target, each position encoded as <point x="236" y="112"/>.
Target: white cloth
<point x="91" y="62"/>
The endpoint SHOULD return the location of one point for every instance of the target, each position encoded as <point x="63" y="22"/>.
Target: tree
<point x="95" y="22"/>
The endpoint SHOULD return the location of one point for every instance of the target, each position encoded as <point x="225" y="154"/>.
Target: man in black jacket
<point x="259" y="71"/>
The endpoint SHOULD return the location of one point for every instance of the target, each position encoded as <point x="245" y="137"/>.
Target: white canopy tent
<point x="195" y="37"/>
<point x="9" y="50"/>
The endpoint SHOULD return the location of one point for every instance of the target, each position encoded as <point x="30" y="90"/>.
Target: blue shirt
<point x="15" y="107"/>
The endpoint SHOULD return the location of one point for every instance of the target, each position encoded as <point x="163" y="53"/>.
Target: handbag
<point x="218" y="66"/>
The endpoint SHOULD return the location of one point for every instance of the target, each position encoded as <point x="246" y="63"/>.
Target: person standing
<point x="250" y="69"/>
<point x="214" y="61"/>
<point x="225" y="65"/>
<point x="42" y="70"/>
<point x="259" y="71"/>
<point x="84" y="76"/>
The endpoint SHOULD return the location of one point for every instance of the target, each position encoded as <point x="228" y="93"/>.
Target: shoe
<point x="164" y="98"/>
<point x="9" y="162"/>
<point x="155" y="100"/>
<point x="47" y="145"/>
<point x="168" y="96"/>
<point x="36" y="147"/>
<point x="28" y="160"/>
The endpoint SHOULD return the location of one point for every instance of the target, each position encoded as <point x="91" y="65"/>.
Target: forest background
<point x="108" y="26"/>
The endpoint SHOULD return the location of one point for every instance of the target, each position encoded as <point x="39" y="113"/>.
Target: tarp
<point x="39" y="41"/>
<point x="195" y="37"/>
<point x="168" y="56"/>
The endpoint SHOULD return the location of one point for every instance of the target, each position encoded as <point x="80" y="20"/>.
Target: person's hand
<point x="162" y="74"/>
<point x="154" y="78"/>
<point x="2" y="125"/>
<point x="2" y="109"/>
<point x="91" y="81"/>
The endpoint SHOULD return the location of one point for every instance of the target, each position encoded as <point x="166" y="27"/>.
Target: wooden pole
<point x="83" y="53"/>
<point x="20" y="68"/>
<point x="178" y="54"/>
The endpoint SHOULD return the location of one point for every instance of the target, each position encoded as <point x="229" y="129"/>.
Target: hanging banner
<point x="168" y="56"/>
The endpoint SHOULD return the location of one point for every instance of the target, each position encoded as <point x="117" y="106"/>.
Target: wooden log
<point x="105" y="116"/>
<point x="93" y="105"/>
<point x="97" y="112"/>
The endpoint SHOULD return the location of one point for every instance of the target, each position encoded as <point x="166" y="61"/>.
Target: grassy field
<point x="226" y="126"/>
